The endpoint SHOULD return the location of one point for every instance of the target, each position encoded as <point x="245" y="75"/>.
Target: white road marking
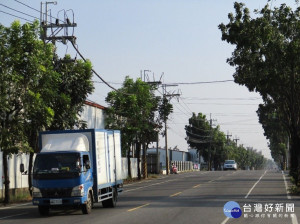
<point x="286" y="186"/>
<point x="225" y="220"/>
<point x="13" y="215"/>
<point x="13" y="206"/>
<point x="255" y="184"/>
<point x="158" y="182"/>
<point x="294" y="217"/>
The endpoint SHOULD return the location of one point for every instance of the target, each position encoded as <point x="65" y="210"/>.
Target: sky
<point x="173" y="41"/>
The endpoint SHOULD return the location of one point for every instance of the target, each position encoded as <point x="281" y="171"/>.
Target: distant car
<point x="230" y="165"/>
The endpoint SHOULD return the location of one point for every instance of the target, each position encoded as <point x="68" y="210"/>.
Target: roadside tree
<point x="266" y="58"/>
<point x="132" y="109"/>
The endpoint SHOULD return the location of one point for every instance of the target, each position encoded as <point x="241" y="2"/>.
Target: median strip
<point x="133" y="209"/>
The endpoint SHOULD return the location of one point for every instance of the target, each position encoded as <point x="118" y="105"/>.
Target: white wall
<point x="95" y="117"/>
<point x="17" y="180"/>
<point x="133" y="164"/>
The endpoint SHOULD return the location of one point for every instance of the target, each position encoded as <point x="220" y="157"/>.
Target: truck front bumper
<point x="59" y="201"/>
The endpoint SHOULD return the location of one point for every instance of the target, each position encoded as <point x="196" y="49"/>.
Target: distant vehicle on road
<point x="230" y="165"/>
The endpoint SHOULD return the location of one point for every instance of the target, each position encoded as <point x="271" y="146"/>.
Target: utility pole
<point x="236" y="140"/>
<point x="227" y="137"/>
<point x="152" y="83"/>
<point x="168" y="97"/>
<point x="209" y="150"/>
<point x="57" y="26"/>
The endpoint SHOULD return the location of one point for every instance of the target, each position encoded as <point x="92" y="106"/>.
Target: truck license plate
<point x="55" y="201"/>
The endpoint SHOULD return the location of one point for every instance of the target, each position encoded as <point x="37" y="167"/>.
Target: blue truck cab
<point x="77" y="168"/>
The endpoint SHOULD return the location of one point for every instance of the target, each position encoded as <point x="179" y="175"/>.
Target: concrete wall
<point x="133" y="166"/>
<point x="17" y="180"/>
<point x="173" y="155"/>
<point x="95" y="117"/>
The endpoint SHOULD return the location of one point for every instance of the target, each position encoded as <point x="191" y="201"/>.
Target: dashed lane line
<point x="136" y="208"/>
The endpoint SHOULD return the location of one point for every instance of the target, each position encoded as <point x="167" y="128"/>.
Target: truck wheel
<point x="87" y="208"/>
<point x="44" y="210"/>
<point x="112" y="202"/>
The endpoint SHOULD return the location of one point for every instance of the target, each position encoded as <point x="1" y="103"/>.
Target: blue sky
<point x="177" y="38"/>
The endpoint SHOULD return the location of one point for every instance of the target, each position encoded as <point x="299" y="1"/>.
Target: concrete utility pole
<point x="167" y="96"/>
<point x="227" y="137"/>
<point x="155" y="83"/>
<point x="236" y="140"/>
<point x="209" y="149"/>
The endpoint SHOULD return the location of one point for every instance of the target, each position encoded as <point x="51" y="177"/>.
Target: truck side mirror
<point x="87" y="164"/>
<point x="22" y="168"/>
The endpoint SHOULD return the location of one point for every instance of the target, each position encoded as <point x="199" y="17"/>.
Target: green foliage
<point x="36" y="93"/>
<point x="267" y="60"/>
<point x="72" y="90"/>
<point x="132" y="109"/>
<point x="214" y="147"/>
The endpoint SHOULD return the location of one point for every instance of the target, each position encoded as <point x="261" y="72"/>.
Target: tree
<point x="267" y="61"/>
<point x="275" y="132"/>
<point x="24" y="62"/>
<point x="199" y="134"/>
<point x="35" y="95"/>
<point x="132" y="109"/>
<point x="75" y="83"/>
<point x="208" y="141"/>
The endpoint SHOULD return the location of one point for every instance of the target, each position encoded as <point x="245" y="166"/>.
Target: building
<point x="188" y="160"/>
<point x="94" y="115"/>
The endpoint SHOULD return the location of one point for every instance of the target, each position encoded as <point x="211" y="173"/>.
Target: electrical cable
<point x="28" y="6"/>
<point x="37" y="10"/>
<point x="18" y="11"/>
<point x="195" y="83"/>
<point x="186" y="104"/>
<point x="16" y="16"/>
<point x="83" y="58"/>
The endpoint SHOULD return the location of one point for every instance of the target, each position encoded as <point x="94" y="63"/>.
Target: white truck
<point x="77" y="168"/>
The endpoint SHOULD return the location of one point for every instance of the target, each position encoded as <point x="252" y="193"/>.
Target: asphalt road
<point x="195" y="197"/>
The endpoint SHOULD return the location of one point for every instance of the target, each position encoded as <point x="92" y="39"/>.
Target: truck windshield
<point x="56" y="165"/>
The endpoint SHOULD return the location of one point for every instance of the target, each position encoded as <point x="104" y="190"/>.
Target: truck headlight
<point x="78" y="191"/>
<point x="36" y="193"/>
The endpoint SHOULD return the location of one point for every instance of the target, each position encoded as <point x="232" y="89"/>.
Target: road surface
<point x="194" y="197"/>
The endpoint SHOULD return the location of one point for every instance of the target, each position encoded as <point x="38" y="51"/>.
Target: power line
<point x="187" y="114"/>
<point x="92" y="68"/>
<point x="28" y="6"/>
<point x="15" y="16"/>
<point x="186" y="106"/>
<point x="19" y="11"/>
<point x="196" y="83"/>
<point x="38" y="11"/>
<point x="228" y="98"/>
<point x="227" y="104"/>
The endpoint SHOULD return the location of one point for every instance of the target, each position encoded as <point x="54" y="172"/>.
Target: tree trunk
<point x="29" y="172"/>
<point x="6" y="179"/>
<point x="145" y="172"/>
<point x="34" y="145"/>
<point x="138" y="155"/>
<point x="294" y="157"/>
<point x="129" y="164"/>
